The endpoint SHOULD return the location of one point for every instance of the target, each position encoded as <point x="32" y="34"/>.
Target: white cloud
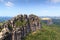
<point x="54" y="1"/>
<point x="9" y="4"/>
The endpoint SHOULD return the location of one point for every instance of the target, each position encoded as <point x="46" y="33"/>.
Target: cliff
<point x="20" y="26"/>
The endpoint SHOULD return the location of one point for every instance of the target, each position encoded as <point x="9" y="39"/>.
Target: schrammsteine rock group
<point x="20" y="26"/>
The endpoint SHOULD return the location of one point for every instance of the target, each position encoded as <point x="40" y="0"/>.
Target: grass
<point x="51" y="32"/>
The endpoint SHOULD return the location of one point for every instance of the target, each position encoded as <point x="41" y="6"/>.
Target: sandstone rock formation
<point x="20" y="26"/>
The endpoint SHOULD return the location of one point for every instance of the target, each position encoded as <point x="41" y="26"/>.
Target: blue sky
<point x="37" y="7"/>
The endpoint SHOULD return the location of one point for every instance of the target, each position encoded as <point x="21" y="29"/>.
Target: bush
<point x="46" y="33"/>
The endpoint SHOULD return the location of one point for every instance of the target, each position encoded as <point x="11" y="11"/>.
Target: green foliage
<point x="1" y="23"/>
<point x="10" y="27"/>
<point x="0" y="30"/>
<point x="20" y="23"/>
<point x="0" y="26"/>
<point x="51" y="32"/>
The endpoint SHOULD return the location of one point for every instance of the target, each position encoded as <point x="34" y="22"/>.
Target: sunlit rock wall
<point x="20" y="26"/>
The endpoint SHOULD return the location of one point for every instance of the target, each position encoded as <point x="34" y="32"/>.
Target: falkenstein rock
<point x="20" y="26"/>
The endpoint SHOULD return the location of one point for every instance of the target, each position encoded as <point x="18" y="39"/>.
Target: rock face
<point x="34" y="23"/>
<point x="20" y="26"/>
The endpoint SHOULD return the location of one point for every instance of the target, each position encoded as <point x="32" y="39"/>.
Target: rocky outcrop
<point x="20" y="26"/>
<point x="34" y="22"/>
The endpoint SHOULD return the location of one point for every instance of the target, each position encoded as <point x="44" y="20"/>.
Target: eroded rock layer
<point x="20" y="26"/>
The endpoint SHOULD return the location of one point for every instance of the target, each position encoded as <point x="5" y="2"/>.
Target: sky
<point x="37" y="7"/>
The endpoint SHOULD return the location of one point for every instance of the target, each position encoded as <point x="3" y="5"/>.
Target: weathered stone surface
<point x="26" y="24"/>
<point x="34" y="23"/>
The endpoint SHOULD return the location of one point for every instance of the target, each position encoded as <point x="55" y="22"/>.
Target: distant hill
<point x="55" y="20"/>
<point x="2" y="19"/>
<point x="50" y="17"/>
